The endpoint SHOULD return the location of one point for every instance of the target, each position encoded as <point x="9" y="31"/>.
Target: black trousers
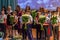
<point x="40" y="34"/>
<point x="3" y="29"/>
<point x="55" y="32"/>
<point x="24" y="34"/>
<point x="38" y="26"/>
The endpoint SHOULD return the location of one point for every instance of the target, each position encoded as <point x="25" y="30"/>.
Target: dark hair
<point x="57" y="9"/>
<point x="4" y="9"/>
<point x="26" y="8"/>
<point x="18" y="7"/>
<point x="41" y="9"/>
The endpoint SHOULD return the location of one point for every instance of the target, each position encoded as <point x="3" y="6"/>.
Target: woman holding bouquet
<point x="27" y="27"/>
<point x="54" y="22"/>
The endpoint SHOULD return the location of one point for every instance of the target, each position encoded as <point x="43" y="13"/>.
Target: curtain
<point x="6" y="3"/>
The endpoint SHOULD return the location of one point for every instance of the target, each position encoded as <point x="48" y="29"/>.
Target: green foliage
<point x="11" y="19"/>
<point x="25" y="19"/>
<point x="1" y="34"/>
<point x="54" y="20"/>
<point x="42" y="19"/>
<point x="33" y="13"/>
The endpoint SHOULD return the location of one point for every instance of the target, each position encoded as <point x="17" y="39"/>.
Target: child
<point x="3" y="19"/>
<point x="15" y="25"/>
<point x="55" y="27"/>
<point x="27" y="32"/>
<point x="38" y="26"/>
<point x="46" y="25"/>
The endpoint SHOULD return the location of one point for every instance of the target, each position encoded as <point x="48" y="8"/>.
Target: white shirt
<point x="2" y="17"/>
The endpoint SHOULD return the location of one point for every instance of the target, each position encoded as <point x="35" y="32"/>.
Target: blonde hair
<point x="9" y="7"/>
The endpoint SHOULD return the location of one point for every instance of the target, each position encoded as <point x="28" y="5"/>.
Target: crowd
<point x="14" y="26"/>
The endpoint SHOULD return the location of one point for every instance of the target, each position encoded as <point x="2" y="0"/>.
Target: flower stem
<point x="42" y="27"/>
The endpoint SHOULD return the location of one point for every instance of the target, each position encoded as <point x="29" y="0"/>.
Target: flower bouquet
<point x="54" y="19"/>
<point x="1" y="19"/>
<point x="11" y="20"/>
<point x="42" y="20"/>
<point x="34" y="14"/>
<point x="1" y="34"/>
<point x="25" y="18"/>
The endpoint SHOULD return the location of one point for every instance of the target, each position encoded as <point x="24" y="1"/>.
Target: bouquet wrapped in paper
<point x="34" y="14"/>
<point x="11" y="19"/>
<point x="25" y="19"/>
<point x="42" y="19"/>
<point x="1" y="34"/>
<point x="54" y="19"/>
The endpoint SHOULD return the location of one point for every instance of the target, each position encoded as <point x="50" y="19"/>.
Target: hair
<point x="18" y="6"/>
<point x="9" y="7"/>
<point x="41" y="9"/>
<point x="4" y="8"/>
<point x="57" y="9"/>
<point x="14" y="12"/>
<point x="28" y="8"/>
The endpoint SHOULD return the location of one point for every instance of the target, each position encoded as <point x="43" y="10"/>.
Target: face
<point x="14" y="13"/>
<point x="45" y="10"/>
<point x="18" y="8"/>
<point x="27" y="7"/>
<point x="9" y="9"/>
<point x="39" y="13"/>
<point x="55" y="13"/>
<point x="59" y="9"/>
<point x="46" y="14"/>
<point x="23" y="12"/>
<point x="3" y="12"/>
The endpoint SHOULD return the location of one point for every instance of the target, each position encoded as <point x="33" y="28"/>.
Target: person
<point x="47" y="25"/>
<point x="27" y="32"/>
<point x="3" y="19"/>
<point x="19" y="14"/>
<point x="8" y="24"/>
<point x="55" y="27"/>
<point x="28" y="9"/>
<point x="41" y="9"/>
<point x="38" y="26"/>
<point x="4" y="8"/>
<point x="59" y="25"/>
<point x="58" y="16"/>
<point x="15" y="25"/>
<point x="9" y="10"/>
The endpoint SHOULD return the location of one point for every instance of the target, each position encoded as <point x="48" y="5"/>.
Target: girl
<point x="27" y="32"/>
<point x="15" y="25"/>
<point x="9" y="10"/>
<point x="19" y="14"/>
<point x="55" y="27"/>
<point x="46" y="25"/>
<point x="3" y="19"/>
<point x="58" y="14"/>
<point x="37" y="24"/>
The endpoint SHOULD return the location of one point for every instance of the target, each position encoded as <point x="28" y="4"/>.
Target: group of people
<point x="18" y="27"/>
